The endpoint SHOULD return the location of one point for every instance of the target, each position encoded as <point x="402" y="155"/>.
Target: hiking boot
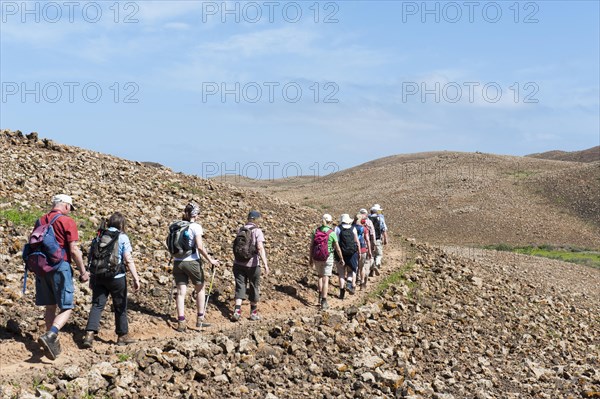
<point x="88" y="339"/>
<point x="236" y="316"/>
<point x="49" y="342"/>
<point x="350" y="289"/>
<point x="254" y="316"/>
<point x="342" y="293"/>
<point x="377" y="273"/>
<point x="125" y="340"/>
<point x="200" y="323"/>
<point x="324" y="304"/>
<point x="181" y="326"/>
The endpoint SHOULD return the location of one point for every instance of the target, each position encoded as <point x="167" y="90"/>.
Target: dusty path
<point x="22" y="359"/>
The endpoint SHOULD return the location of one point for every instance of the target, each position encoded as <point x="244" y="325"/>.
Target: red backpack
<point x="321" y="245"/>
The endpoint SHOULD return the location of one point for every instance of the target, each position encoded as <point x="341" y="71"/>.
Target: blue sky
<point x="203" y="87"/>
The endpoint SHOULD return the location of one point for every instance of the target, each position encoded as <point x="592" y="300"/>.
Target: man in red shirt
<point x="55" y="290"/>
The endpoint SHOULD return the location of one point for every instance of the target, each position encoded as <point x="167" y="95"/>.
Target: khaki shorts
<point x="186" y="270"/>
<point x="325" y="268"/>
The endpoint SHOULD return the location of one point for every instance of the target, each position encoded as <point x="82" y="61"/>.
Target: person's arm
<point x="263" y="257"/>
<point x="339" y="252"/>
<point x="202" y="251"/>
<point x="78" y="258"/>
<point x="356" y="240"/>
<point x="131" y="266"/>
<point x="368" y="241"/>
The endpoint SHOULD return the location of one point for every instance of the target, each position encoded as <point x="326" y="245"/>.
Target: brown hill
<point x="433" y="325"/>
<point x="465" y="198"/>
<point x="589" y="155"/>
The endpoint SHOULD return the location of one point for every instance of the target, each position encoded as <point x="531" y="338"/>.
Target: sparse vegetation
<point x="196" y="191"/>
<point x="20" y="217"/>
<point x="395" y="278"/>
<point x="581" y="256"/>
<point x="123" y="357"/>
<point x="522" y="174"/>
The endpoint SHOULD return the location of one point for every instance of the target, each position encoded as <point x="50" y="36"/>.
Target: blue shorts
<point x="55" y="288"/>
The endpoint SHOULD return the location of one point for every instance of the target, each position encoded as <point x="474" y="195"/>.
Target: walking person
<point x="380" y="228"/>
<point x="365" y="250"/>
<point x="249" y="251"/>
<point x="347" y="264"/>
<point x="323" y="243"/>
<point x="109" y="259"/>
<point x="186" y="246"/>
<point x="54" y="290"/>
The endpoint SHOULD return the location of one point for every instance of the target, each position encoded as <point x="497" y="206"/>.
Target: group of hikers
<point x="355" y="246"/>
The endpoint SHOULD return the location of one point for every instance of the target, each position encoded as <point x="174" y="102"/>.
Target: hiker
<point x="380" y="228"/>
<point x="55" y="289"/>
<point x="347" y="264"/>
<point x="365" y="249"/>
<point x="185" y="244"/>
<point x="109" y="258"/>
<point x="249" y="251"/>
<point x="322" y="245"/>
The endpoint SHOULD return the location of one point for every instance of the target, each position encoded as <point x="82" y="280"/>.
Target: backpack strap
<point x="55" y="218"/>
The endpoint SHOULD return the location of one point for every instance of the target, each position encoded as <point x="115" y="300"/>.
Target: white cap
<point x="327" y="218"/>
<point x="346" y="219"/>
<point x="57" y="199"/>
<point x="377" y="208"/>
<point x="363" y="211"/>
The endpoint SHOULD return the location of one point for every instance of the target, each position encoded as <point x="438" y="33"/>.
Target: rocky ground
<point x="438" y="323"/>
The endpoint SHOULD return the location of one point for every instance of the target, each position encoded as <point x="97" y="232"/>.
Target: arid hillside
<point x="589" y="155"/>
<point x="464" y="198"/>
<point x="444" y="323"/>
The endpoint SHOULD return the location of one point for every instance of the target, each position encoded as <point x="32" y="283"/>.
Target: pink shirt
<point x="257" y="237"/>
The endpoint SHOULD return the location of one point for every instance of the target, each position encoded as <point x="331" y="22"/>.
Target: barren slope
<point x="465" y="198"/>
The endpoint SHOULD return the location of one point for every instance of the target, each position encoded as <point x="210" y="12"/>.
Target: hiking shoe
<point x="350" y="289"/>
<point x="88" y="339"/>
<point x="49" y="342"/>
<point x="181" y="326"/>
<point x="125" y="340"/>
<point x="254" y="316"/>
<point x="342" y="293"/>
<point x="237" y="315"/>
<point x="200" y="323"/>
<point x="377" y="273"/>
<point x="324" y="304"/>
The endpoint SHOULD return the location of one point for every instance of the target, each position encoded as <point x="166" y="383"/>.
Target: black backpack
<point x="243" y="246"/>
<point x="347" y="243"/>
<point x="104" y="255"/>
<point x="377" y="225"/>
<point x="178" y="240"/>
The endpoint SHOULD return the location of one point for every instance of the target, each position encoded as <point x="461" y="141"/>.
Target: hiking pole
<point x="212" y="279"/>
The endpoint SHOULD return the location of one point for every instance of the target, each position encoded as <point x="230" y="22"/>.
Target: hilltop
<point x="589" y="155"/>
<point x="440" y="322"/>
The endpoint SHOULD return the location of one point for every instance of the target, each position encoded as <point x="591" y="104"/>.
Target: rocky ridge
<point x="151" y="197"/>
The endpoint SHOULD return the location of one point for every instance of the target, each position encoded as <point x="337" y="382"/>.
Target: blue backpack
<point x="42" y="254"/>
<point x="360" y="230"/>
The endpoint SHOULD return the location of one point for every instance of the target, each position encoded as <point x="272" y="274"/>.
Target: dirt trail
<point x="20" y="358"/>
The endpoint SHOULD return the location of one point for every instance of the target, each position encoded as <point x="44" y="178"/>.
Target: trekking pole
<point x="212" y="279"/>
